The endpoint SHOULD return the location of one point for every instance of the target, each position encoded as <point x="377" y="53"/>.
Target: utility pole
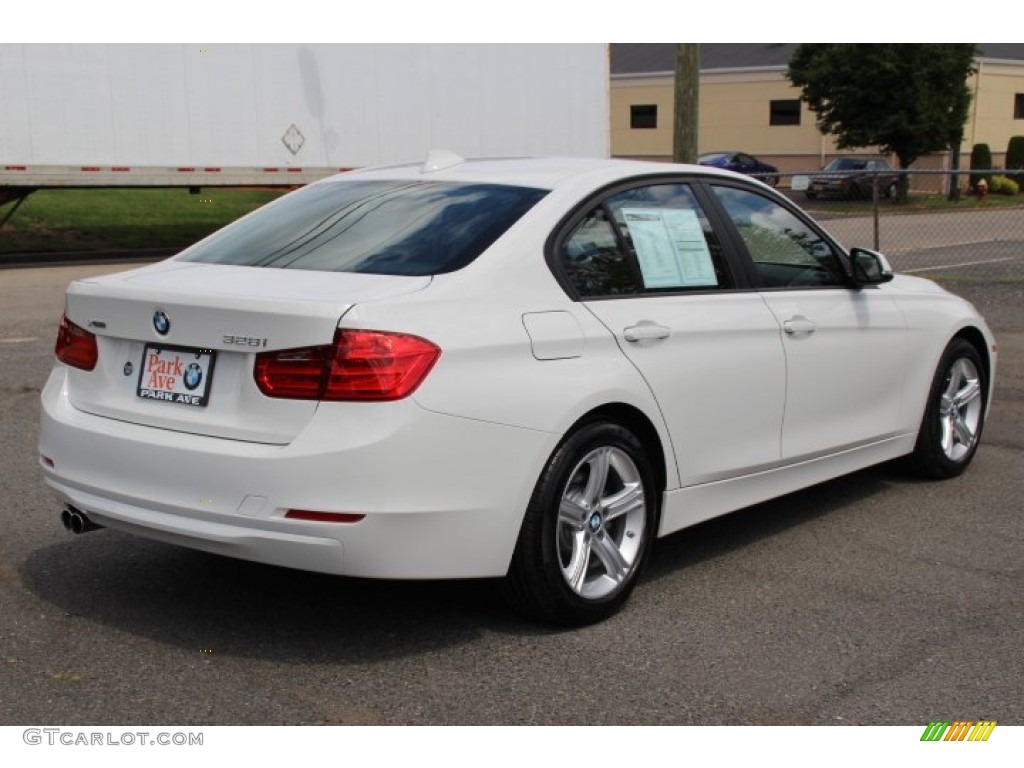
<point x="687" y="90"/>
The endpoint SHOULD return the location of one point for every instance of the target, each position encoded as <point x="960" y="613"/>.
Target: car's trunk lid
<point x="218" y="318"/>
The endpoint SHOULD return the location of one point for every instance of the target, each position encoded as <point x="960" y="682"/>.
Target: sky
<point x="453" y="21"/>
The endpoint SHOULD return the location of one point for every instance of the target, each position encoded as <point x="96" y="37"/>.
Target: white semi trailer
<point x="280" y="115"/>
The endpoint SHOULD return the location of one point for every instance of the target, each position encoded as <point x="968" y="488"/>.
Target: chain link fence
<point x="976" y="237"/>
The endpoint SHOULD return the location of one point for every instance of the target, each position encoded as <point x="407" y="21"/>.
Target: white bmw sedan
<point x="527" y="369"/>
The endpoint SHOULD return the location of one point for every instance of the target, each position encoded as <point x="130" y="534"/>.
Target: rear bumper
<point x="443" y="497"/>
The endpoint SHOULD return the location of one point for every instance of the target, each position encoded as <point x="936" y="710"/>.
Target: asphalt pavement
<point x="872" y="599"/>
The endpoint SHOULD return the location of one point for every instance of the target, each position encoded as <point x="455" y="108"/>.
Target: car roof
<point x="538" y="172"/>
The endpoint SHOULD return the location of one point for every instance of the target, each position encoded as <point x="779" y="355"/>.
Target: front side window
<point x="385" y="227"/>
<point x="786" y="252"/>
<point x="647" y="239"/>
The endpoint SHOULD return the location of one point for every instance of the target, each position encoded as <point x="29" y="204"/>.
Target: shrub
<point x="1001" y="185"/>
<point x="981" y="160"/>
<point x="1015" y="159"/>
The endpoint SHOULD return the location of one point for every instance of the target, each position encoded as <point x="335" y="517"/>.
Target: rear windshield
<point x="395" y="227"/>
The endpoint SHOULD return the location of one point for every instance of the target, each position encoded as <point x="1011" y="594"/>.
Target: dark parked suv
<point x="851" y="178"/>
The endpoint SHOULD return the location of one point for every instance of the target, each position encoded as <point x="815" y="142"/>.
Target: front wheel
<point x="955" y="414"/>
<point x="587" y="529"/>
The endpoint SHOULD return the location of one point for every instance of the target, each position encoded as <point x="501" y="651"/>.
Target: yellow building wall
<point x="641" y="142"/>
<point x="992" y="119"/>
<point x="735" y="112"/>
<point x="734" y="115"/>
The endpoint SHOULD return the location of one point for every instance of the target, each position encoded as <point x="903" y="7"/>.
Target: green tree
<point x="908" y="99"/>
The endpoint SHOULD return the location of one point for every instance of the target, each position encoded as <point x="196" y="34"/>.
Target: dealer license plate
<point x="176" y="374"/>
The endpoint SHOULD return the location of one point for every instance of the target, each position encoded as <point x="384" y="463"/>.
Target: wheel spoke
<point x="625" y="501"/>
<point x="968" y="394"/>
<point x="598" y="477"/>
<point x="956" y="376"/>
<point x="572" y="513"/>
<point x="945" y="405"/>
<point x="576" y="571"/>
<point x="611" y="558"/>
<point x="963" y="432"/>
<point x="947" y="435"/>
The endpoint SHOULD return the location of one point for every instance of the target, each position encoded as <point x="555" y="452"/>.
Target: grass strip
<point x="103" y="219"/>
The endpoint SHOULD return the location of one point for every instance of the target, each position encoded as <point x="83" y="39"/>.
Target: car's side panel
<point x="694" y="504"/>
<point x="845" y="361"/>
<point x="488" y="369"/>
<point x="718" y="373"/>
<point x="932" y="317"/>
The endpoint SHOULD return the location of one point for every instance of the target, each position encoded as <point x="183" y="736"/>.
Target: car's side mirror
<point x="869" y="267"/>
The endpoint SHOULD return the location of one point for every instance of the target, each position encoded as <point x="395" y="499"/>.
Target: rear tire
<point x="588" y="528"/>
<point x="955" y="414"/>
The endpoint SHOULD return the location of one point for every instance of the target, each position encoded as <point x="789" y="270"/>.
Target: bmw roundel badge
<point x="161" y="322"/>
<point x="193" y="376"/>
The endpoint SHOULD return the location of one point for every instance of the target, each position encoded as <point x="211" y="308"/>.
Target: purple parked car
<point x="741" y="162"/>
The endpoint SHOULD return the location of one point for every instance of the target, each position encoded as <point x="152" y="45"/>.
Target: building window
<point x="643" y="116"/>
<point x="1018" y="106"/>
<point x="784" y="112"/>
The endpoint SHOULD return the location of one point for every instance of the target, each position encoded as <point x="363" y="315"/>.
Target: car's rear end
<point x="220" y="401"/>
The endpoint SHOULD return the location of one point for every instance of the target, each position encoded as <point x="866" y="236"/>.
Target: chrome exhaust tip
<point x="77" y="521"/>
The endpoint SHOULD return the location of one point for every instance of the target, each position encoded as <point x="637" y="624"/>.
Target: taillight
<point x="76" y="346"/>
<point x="360" y="365"/>
<point x="294" y="373"/>
<point x="370" y="365"/>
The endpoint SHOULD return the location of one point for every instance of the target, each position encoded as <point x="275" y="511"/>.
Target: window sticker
<point x="670" y="247"/>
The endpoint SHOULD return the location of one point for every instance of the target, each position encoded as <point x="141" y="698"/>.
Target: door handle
<point x="646" y="331"/>
<point x="798" y="324"/>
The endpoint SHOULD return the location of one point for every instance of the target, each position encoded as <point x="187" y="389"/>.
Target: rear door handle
<point x="798" y="324"/>
<point x="646" y="331"/>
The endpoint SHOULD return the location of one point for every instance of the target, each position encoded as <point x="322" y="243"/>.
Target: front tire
<point x="955" y="414"/>
<point x="587" y="530"/>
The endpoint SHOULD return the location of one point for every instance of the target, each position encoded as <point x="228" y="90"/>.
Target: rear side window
<point x="393" y="227"/>
<point x="647" y="239"/>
